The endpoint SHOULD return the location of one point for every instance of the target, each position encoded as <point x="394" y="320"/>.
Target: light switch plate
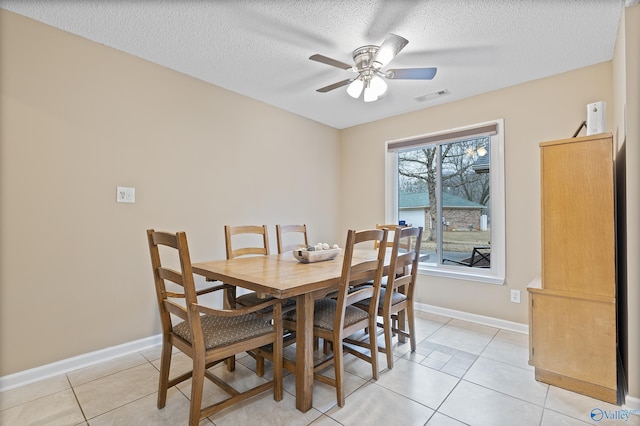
<point x="125" y="194"/>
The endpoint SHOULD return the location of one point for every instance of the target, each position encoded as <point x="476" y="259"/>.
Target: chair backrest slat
<point x="175" y="309"/>
<point x="170" y="274"/>
<point x="364" y="271"/>
<point x="165" y="239"/>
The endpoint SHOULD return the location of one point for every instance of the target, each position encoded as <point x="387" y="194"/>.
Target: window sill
<point x="460" y="273"/>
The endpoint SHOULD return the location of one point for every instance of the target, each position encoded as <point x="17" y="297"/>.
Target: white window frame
<point x="496" y="273"/>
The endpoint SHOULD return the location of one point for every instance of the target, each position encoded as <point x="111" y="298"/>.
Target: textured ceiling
<point x="260" y="48"/>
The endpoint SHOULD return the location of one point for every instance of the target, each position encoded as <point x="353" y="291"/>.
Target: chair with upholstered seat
<point x="286" y="237"/>
<point x="396" y="299"/>
<point x="250" y="240"/>
<point x="206" y="335"/>
<point x="289" y="238"/>
<point x="336" y="319"/>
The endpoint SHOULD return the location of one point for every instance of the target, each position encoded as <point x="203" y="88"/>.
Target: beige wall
<point x="77" y="120"/>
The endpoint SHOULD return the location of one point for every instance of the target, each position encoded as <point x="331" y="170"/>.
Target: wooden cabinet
<point x="572" y="308"/>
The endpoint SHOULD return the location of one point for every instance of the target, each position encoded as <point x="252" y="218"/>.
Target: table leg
<point x="229" y="302"/>
<point x="304" y="352"/>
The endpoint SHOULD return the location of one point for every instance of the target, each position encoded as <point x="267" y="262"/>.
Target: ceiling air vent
<point x="432" y="95"/>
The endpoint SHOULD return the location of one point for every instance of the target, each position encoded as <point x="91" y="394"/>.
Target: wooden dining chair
<point x="245" y="240"/>
<point x="254" y="242"/>
<point x="335" y="320"/>
<point x="299" y="230"/>
<point x="395" y="304"/>
<point x="251" y="240"/>
<point x="206" y="335"/>
<point x="302" y="241"/>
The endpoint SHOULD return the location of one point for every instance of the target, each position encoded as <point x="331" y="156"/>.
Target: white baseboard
<point x="479" y="319"/>
<point x="631" y="403"/>
<point x="66" y="365"/>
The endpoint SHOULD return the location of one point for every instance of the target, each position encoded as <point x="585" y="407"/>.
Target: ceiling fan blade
<point x="390" y="47"/>
<point x="411" y="73"/>
<point x="330" y="87"/>
<point x="329" y="61"/>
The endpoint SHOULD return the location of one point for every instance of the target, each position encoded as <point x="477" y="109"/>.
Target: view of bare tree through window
<point x="445" y="188"/>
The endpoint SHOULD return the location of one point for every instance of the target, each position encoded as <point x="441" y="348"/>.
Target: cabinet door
<point x="574" y="337"/>
<point x="578" y="228"/>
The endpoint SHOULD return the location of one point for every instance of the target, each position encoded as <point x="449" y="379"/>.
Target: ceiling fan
<point x="369" y="61"/>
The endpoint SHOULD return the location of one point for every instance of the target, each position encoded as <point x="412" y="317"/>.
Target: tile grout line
<point x="546" y="397"/>
<point x="75" y="396"/>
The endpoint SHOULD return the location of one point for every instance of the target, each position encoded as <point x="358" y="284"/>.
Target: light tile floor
<point x="461" y="373"/>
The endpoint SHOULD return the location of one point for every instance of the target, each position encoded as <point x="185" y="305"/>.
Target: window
<point x="452" y="184"/>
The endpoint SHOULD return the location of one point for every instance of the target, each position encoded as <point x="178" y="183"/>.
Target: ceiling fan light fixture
<point x="378" y="85"/>
<point x="355" y="88"/>
<point x="370" y="95"/>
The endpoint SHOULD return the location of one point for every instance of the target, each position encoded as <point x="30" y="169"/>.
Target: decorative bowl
<point x="305" y="256"/>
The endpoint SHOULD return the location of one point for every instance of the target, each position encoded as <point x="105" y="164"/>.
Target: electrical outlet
<point x="125" y="195"/>
<point x="515" y="296"/>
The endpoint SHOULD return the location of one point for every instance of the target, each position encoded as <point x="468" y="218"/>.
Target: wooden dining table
<point x="283" y="277"/>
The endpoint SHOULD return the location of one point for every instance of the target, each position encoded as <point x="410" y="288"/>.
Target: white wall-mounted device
<point x="125" y="194"/>
<point x="595" y="118"/>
